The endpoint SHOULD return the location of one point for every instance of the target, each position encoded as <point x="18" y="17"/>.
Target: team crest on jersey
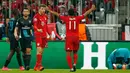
<point x="35" y="19"/>
<point x="45" y="18"/>
<point x="17" y="23"/>
<point x="38" y="44"/>
<point x="42" y="23"/>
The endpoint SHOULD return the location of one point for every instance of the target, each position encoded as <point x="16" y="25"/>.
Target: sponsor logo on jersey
<point x="30" y="21"/>
<point x="35" y="19"/>
<point x="26" y="27"/>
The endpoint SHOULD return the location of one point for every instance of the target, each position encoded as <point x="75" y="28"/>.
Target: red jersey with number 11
<point x="72" y="24"/>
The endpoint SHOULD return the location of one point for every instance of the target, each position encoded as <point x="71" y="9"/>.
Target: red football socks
<point x="69" y="60"/>
<point x="75" y="59"/>
<point x="39" y="59"/>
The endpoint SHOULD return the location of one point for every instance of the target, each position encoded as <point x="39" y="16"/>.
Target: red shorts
<point x="41" y="42"/>
<point x="72" y="43"/>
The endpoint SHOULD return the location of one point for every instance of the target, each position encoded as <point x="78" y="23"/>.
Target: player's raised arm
<point x="53" y="12"/>
<point x="90" y="10"/>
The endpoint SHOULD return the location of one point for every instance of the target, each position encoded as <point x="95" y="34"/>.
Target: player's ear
<point x="28" y="11"/>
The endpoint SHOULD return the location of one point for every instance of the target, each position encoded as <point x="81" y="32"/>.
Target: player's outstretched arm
<point x="53" y="12"/>
<point x="90" y="10"/>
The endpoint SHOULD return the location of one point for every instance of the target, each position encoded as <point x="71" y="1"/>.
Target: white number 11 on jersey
<point x="70" y="25"/>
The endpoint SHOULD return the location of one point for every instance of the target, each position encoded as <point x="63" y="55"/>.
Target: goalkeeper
<point x="119" y="59"/>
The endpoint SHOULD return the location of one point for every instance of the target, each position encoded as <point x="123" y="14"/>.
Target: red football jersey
<point x="72" y="24"/>
<point x="40" y="22"/>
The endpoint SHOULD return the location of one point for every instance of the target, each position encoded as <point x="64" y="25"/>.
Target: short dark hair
<point x="71" y="12"/>
<point x="42" y="5"/>
<point x="25" y="9"/>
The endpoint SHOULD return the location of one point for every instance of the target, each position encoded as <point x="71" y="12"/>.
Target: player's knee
<point x="12" y="51"/>
<point x="18" y="54"/>
<point x="75" y="51"/>
<point x="28" y="51"/>
<point x="39" y="50"/>
<point x="68" y="53"/>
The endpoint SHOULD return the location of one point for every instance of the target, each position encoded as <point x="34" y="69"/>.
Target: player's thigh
<point x="44" y="42"/>
<point x="76" y="43"/>
<point x="38" y="42"/>
<point x="13" y="43"/>
<point x="28" y="44"/>
<point x="22" y="44"/>
<point x="120" y="60"/>
<point x="68" y="44"/>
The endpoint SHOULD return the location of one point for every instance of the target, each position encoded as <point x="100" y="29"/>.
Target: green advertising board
<point x="92" y="55"/>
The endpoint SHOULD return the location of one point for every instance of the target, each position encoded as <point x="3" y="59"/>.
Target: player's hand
<point x="39" y="30"/>
<point x="114" y="66"/>
<point x="47" y="8"/>
<point x="123" y="66"/>
<point x="46" y="46"/>
<point x="7" y="40"/>
<point x="16" y="36"/>
<point x="48" y="36"/>
<point x="93" y="7"/>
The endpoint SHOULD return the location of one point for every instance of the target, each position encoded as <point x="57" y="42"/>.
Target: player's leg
<point x="43" y="45"/>
<point x="12" y="51"/>
<point x="27" y="52"/>
<point x="119" y="61"/>
<point x="128" y="63"/>
<point x="68" y="48"/>
<point x="75" y="58"/>
<point x="27" y="58"/>
<point x="39" y="45"/>
<point x="18" y="55"/>
<point x="75" y="50"/>
<point x="69" y="60"/>
<point x="5" y="67"/>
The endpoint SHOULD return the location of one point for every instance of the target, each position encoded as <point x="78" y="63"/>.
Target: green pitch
<point x="66" y="71"/>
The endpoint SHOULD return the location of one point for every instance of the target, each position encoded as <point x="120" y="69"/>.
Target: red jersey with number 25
<point x="72" y="24"/>
<point x="40" y="22"/>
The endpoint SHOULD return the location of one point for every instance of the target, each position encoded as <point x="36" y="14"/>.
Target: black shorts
<point x="25" y="43"/>
<point x="13" y="42"/>
<point x="120" y="60"/>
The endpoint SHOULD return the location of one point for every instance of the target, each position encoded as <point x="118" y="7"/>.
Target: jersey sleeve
<point x="35" y="22"/>
<point x="31" y="24"/>
<point x="111" y="59"/>
<point x="81" y="17"/>
<point x="18" y="24"/>
<point x="64" y="18"/>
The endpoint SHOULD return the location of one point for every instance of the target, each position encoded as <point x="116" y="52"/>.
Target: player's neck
<point x="72" y="16"/>
<point x="25" y="17"/>
<point x="41" y="13"/>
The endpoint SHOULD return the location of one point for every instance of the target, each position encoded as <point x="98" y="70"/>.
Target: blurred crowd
<point x="11" y="8"/>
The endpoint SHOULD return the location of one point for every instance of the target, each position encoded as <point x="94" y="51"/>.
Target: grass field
<point x="66" y="71"/>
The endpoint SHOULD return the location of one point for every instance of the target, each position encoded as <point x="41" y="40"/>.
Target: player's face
<point x="42" y="10"/>
<point x="26" y="12"/>
<point x="7" y="21"/>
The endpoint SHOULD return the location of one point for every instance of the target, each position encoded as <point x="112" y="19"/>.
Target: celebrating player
<point x="13" y="43"/>
<point x="24" y="25"/>
<point x="40" y="32"/>
<point x="119" y="59"/>
<point x="72" y="34"/>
